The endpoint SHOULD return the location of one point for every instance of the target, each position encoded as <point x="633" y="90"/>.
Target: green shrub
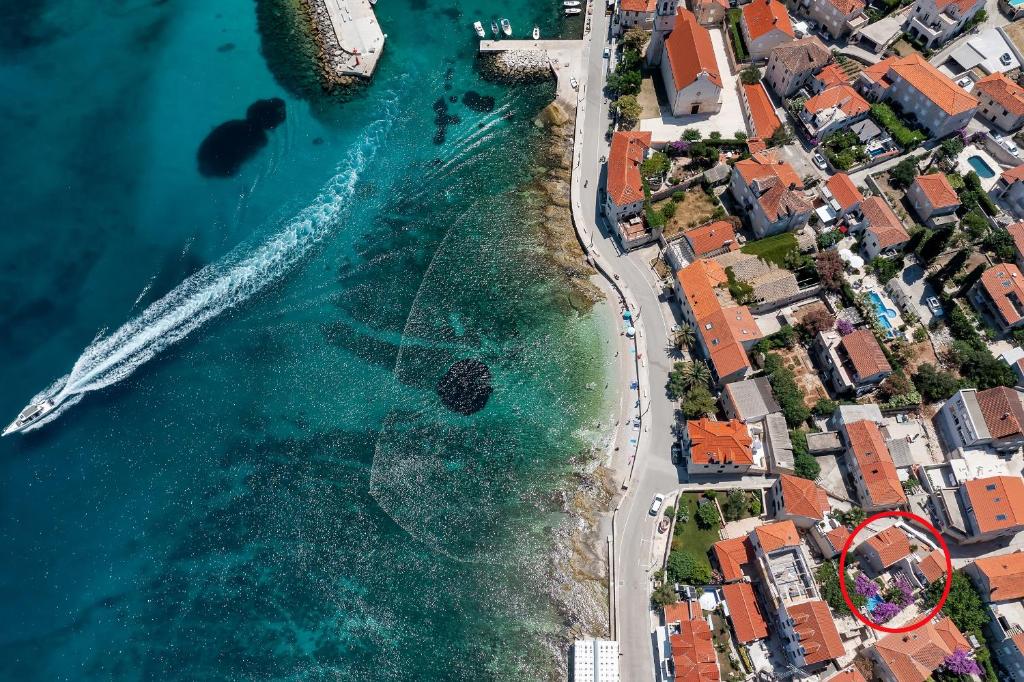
<point x="707" y="516"/>
<point x="904" y="136"/>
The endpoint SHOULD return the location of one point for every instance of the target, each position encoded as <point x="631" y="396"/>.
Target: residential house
<point x="1010" y="190"/>
<point x="837" y="18"/>
<point x="744" y="612"/>
<point x="914" y="656"/>
<point x="933" y="197"/>
<point x="930" y="568"/>
<point x="709" y="240"/>
<point x="1016" y="231"/>
<point x="830" y="537"/>
<point x="721" y="448"/>
<point x="635" y="14"/>
<point x="829" y="75"/>
<point x="840" y="189"/>
<point x="885" y="548"/>
<point x="1000" y="579"/>
<point x="624" y="200"/>
<point x="689" y="69"/>
<point x="710" y="12"/>
<point x="792" y="65"/>
<point x="802" y="620"/>
<point x="871" y="467"/>
<point x="936" y="21"/>
<point x="692" y="648"/>
<point x="848" y="675"/>
<point x="798" y="500"/>
<point x="853" y="364"/>
<point x="725" y="332"/>
<point x="831" y="110"/>
<point x="1001" y="102"/>
<point x="765" y="24"/>
<point x="749" y="401"/>
<point x="760" y="115"/>
<point x="982" y="509"/>
<point x="999" y="295"/>
<point x="771" y="193"/>
<point x="939" y="105"/>
<point x="993" y="418"/>
<point x="734" y="557"/>
<point x="884" y="234"/>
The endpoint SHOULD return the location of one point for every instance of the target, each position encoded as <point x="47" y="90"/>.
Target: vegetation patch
<point x="772" y="249"/>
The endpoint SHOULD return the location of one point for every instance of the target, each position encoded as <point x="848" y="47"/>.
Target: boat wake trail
<point x="217" y="287"/>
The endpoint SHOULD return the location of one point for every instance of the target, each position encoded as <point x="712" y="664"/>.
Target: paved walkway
<point x="359" y="35"/>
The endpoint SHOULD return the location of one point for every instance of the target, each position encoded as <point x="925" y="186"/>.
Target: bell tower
<point x="664" y="22"/>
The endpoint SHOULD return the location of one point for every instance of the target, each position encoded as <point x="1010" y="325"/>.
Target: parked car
<point x="1005" y="58"/>
<point x="934" y="305"/>
<point x="677" y="453"/>
<point x="656" y="505"/>
<point x="964" y="82"/>
<point x="819" y="161"/>
<point x="574" y="83"/>
<point x="607" y="53"/>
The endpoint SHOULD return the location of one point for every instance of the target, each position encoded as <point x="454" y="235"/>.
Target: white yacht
<point x="572" y="11"/>
<point x="479" y="28"/>
<point x="494" y="29"/>
<point x="536" y="32"/>
<point x="30" y="415"/>
<point x="571" y="3"/>
<point x="506" y="27"/>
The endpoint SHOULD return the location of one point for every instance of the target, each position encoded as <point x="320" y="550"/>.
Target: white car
<point x="656" y="505"/>
<point x="607" y="53"/>
<point x="819" y="161"/>
<point x="934" y="305"/>
<point x="964" y="82"/>
<point x="574" y="83"/>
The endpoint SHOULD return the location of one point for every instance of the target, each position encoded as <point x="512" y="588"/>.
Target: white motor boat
<point x="31" y="415"/>
<point x="479" y="28"/>
<point x="494" y="29"/>
<point x="536" y="32"/>
<point x="506" y="27"/>
<point x="571" y="3"/>
<point x="573" y="11"/>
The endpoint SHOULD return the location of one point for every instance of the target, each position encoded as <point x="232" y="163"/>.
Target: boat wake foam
<point x="217" y="287"/>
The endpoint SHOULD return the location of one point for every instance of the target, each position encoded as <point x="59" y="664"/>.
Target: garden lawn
<point x="694" y="210"/>
<point x="772" y="249"/>
<point x="689" y="536"/>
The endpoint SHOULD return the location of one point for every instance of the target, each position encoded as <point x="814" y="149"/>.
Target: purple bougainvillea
<point x="677" y="148"/>
<point x="961" y="663"/>
<point x="884" y="612"/>
<point x="844" y="327"/>
<point x="906" y="591"/>
<point x="865" y="587"/>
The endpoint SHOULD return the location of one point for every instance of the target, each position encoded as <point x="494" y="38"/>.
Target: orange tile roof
<point x="1002" y="411"/>
<point x="997" y="502"/>
<point x="1003" y="92"/>
<point x="851" y="675"/>
<point x="840" y="96"/>
<point x="803" y="498"/>
<point x="642" y="6"/>
<point x="883" y="223"/>
<point x="732" y="555"/>
<point x="817" y="631"/>
<point x="914" y="656"/>
<point x="936" y="187"/>
<point x="761" y="16"/>
<point x="777" y="200"/>
<point x="933" y="565"/>
<point x="627" y="153"/>
<point x="689" y="51"/>
<point x="712" y="237"/>
<point x="755" y="145"/>
<point x="963" y="5"/>
<point x="1018" y="641"/>
<point x="924" y="78"/>
<point x="1017" y="232"/>
<point x="837" y="537"/>
<point x="763" y="118"/>
<point x="1013" y="175"/>
<point x="693" y="653"/>
<point x="891" y="545"/>
<point x="698" y="281"/>
<point x="866" y="355"/>
<point x="714" y="442"/>
<point x="875" y="464"/>
<point x="832" y="74"/>
<point x="775" y="536"/>
<point x="1005" y="575"/>
<point x="680" y="611"/>
<point x="747" y="621"/>
<point x="848" y="7"/>
<point x="1005" y="286"/>
<point x="844" y="191"/>
<point x="765" y="165"/>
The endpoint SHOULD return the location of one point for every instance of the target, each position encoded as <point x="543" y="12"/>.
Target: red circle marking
<point x="842" y="571"/>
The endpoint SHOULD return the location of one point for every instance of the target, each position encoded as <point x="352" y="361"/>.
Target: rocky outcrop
<point x="330" y="56"/>
<point x="515" y="66"/>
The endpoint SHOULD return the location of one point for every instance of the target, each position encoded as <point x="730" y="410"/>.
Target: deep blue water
<point x="258" y="480"/>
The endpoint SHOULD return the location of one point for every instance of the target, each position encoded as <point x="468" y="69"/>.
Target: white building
<point x="689" y="69"/>
<point x="595" y="660"/>
<point x="993" y="418"/>
<point x="838" y="18"/>
<point x="1001" y="102"/>
<point x="1010" y="190"/>
<point x="936" y="21"/>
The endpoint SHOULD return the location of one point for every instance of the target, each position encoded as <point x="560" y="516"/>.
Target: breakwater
<point x="348" y="40"/>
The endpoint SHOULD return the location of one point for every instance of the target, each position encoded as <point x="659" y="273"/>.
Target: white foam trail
<point x="215" y="288"/>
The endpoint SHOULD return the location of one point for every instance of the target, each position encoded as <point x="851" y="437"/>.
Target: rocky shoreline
<point x="515" y="66"/>
<point x="329" y="55"/>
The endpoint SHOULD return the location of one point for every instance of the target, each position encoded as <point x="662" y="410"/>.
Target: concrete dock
<point x="360" y="38"/>
<point x="565" y="57"/>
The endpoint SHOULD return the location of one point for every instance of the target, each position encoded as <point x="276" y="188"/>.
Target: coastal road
<point x="653" y="471"/>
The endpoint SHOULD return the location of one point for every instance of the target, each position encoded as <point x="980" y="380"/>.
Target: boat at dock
<point x="494" y="29"/>
<point x="571" y="3"/>
<point x="31" y="415"/>
<point x="506" y="27"/>
<point x="536" y="32"/>
<point x="479" y="28"/>
<point x="573" y="11"/>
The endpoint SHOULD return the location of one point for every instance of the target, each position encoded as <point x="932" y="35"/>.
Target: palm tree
<point x="698" y="374"/>
<point x="685" y="337"/>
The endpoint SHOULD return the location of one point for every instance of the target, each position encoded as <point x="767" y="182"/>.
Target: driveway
<point x="912" y="281"/>
<point x="800" y="160"/>
<point x="730" y="120"/>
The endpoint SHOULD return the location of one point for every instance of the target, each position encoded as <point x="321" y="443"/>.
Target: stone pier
<point x="564" y="58"/>
<point x="350" y="39"/>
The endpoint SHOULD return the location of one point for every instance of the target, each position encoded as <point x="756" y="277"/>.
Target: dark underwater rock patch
<point x="226" y="47"/>
<point x="442" y="119"/>
<point x="474" y="101"/>
<point x="234" y="142"/>
<point x="466" y="387"/>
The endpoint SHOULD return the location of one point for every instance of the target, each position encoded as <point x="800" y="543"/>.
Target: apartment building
<point x="853" y="364"/>
<point x="1000" y="102"/>
<point x="871" y="467"/>
<point x="993" y="419"/>
<point x="772" y="194"/>
<point x="792" y="65"/>
<point x="999" y="295"/>
<point x="936" y="21"/>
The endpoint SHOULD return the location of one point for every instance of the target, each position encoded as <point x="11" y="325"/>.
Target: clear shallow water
<point x="259" y="481"/>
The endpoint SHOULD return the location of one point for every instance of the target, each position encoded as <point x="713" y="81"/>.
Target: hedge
<point x="903" y="135"/>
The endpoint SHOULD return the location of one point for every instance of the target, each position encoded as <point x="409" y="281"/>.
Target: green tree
<point x="684" y="567"/>
<point x="691" y="134"/>
<point x="825" y="407"/>
<point x="698" y="402"/>
<point x="668" y="210"/>
<point x="934" y="384"/>
<point x="655" y="166"/>
<point x="851" y="518"/>
<point x="783" y="135"/>
<point x="707" y="516"/>
<point x="685" y="337"/>
<point x="735" y="506"/>
<point x="750" y="75"/>
<point x="804" y="463"/>
<point x="885" y="268"/>
<point x="903" y="173"/>
<point x="786" y="390"/>
<point x="629" y="111"/>
<point x="951" y="147"/>
<point x="1000" y="243"/>
<point x="827" y="576"/>
<point x="635" y="39"/>
<point x="664" y="595"/>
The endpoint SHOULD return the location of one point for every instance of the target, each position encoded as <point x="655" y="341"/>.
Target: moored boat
<point x="536" y="32"/>
<point x="571" y="3"/>
<point x="572" y="11"/>
<point x="479" y="28"/>
<point x="494" y="29"/>
<point x="506" y="27"/>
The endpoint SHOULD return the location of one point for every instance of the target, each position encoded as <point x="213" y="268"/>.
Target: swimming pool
<point x="981" y="167"/>
<point x="873" y="602"/>
<point x="884" y="313"/>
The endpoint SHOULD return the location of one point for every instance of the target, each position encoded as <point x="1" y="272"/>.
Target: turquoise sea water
<point x="258" y="480"/>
